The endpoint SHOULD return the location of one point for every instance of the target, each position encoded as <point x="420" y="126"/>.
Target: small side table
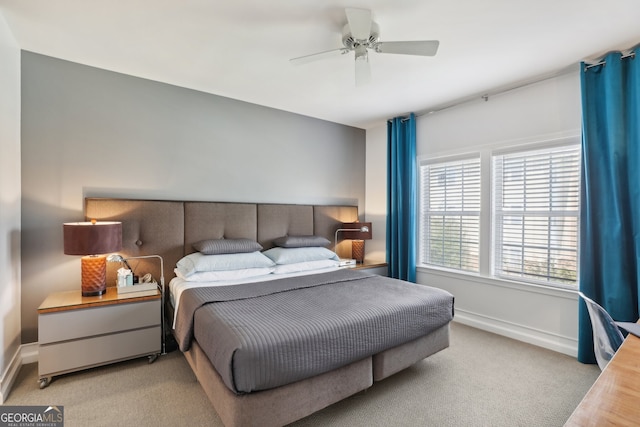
<point x="379" y="268"/>
<point x="76" y="332"/>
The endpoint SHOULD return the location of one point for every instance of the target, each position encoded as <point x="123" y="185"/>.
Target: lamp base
<point x="357" y="250"/>
<point x="94" y="275"/>
<point x="94" y="293"/>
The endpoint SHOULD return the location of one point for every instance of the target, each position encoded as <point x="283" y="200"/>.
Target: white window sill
<point x="559" y="290"/>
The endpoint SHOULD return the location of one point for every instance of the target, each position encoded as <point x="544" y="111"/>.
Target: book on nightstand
<point x="347" y="262"/>
<point x="139" y="287"/>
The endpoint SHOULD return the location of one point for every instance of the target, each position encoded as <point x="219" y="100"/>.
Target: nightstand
<point x="379" y="268"/>
<point x="76" y="332"/>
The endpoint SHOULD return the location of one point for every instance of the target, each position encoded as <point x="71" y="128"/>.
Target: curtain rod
<point x="402" y="120"/>
<point x="498" y="91"/>
<point x="631" y="54"/>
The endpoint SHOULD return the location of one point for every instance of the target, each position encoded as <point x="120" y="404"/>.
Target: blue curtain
<point x="401" y="198"/>
<point x="610" y="194"/>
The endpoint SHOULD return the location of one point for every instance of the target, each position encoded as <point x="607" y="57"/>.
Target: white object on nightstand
<point x="344" y="262"/>
<point x="138" y="287"/>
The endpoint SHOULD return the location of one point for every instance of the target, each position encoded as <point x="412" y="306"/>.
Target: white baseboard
<point x="561" y="344"/>
<point x="9" y="376"/>
<point x="29" y="353"/>
<point x="26" y="353"/>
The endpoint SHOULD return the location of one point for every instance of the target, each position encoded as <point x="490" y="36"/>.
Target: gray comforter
<point x="267" y="334"/>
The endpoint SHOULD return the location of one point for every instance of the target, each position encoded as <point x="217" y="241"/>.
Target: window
<point x="535" y="214"/>
<point x="509" y="213"/>
<point x="450" y="214"/>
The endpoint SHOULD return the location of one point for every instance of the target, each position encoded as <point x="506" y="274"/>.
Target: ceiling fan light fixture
<point x="363" y="71"/>
<point x="361" y="53"/>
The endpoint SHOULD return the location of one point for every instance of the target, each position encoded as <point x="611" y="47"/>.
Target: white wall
<point x="9" y="207"/>
<point x="91" y="132"/>
<point x="546" y="110"/>
<point x="376" y="193"/>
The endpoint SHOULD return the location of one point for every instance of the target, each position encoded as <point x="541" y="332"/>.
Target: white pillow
<point x="198" y="262"/>
<point x="305" y="266"/>
<point x="224" y="275"/>
<point x="295" y="255"/>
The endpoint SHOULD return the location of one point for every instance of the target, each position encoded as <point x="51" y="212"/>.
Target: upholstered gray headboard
<point x="169" y="228"/>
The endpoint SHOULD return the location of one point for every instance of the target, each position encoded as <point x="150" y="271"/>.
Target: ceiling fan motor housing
<point x="351" y="43"/>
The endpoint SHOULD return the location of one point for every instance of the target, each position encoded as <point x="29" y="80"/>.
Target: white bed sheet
<point x="178" y="285"/>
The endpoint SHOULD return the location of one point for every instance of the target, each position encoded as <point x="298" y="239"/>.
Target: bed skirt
<point x="286" y="404"/>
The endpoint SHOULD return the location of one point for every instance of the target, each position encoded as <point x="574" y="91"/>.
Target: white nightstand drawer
<point x="74" y="324"/>
<point x="73" y="355"/>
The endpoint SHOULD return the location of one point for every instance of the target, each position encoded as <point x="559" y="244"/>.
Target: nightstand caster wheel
<point x="152" y="358"/>
<point x="44" y="382"/>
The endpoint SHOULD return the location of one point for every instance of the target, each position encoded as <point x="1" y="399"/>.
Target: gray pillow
<point x="301" y="241"/>
<point x="294" y="255"/>
<point x="226" y="246"/>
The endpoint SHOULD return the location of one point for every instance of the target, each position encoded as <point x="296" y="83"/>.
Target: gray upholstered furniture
<point x="169" y="228"/>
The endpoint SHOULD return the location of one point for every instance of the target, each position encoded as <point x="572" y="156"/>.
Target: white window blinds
<point x="535" y="214"/>
<point x="450" y="214"/>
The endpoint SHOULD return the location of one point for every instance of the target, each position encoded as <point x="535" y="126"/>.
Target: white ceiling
<point x="241" y="49"/>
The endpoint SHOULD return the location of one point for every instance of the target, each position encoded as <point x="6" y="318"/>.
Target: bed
<point x="289" y="375"/>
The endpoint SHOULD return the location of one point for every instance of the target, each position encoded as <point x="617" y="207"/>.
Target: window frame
<point x="423" y="234"/>
<point x="486" y="153"/>
<point x="549" y="214"/>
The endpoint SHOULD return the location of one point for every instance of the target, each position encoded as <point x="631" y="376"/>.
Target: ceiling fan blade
<point x="421" y="48"/>
<point x="317" y="56"/>
<point x="359" y="22"/>
<point x="363" y="70"/>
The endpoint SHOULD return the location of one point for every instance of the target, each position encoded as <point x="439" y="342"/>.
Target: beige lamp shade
<point x="93" y="239"/>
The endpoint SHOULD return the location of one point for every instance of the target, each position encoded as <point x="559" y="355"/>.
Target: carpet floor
<point x="482" y="379"/>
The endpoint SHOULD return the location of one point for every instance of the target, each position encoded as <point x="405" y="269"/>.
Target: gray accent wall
<point x="88" y="132"/>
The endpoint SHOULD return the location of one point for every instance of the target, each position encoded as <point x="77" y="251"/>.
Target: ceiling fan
<point x="360" y="35"/>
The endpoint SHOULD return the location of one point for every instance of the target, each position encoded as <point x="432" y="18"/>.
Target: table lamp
<point x="357" y="232"/>
<point x="92" y="240"/>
